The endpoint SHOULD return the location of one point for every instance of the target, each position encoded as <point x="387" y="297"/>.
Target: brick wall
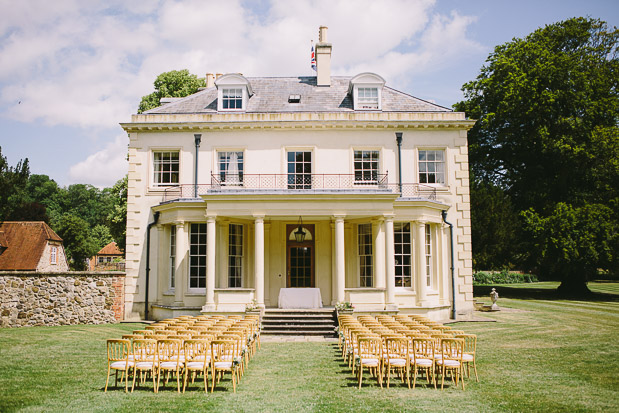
<point x="60" y="298"/>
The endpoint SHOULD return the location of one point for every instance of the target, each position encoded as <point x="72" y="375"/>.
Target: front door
<point x="300" y="259"/>
<point x="300" y="266"/>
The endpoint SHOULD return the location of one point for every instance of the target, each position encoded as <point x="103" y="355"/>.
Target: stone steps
<point x="297" y="322"/>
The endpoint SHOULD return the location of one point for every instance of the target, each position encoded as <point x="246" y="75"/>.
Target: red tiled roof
<point x="3" y="242"/>
<point x="110" y="249"/>
<point x="26" y="242"/>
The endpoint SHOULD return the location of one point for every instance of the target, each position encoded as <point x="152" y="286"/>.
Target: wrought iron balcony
<point x="298" y="183"/>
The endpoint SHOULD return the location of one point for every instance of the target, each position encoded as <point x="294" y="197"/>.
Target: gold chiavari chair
<point x="224" y="359"/>
<point x="451" y="360"/>
<point x="469" y="350"/>
<point x="169" y="361"/>
<point x="370" y="355"/>
<point x="145" y="360"/>
<point x="118" y="351"/>
<point x="422" y="357"/>
<point x="197" y="360"/>
<point x="396" y="358"/>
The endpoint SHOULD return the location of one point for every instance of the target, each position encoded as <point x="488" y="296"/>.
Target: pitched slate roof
<point x="271" y="96"/>
<point x="26" y="242"/>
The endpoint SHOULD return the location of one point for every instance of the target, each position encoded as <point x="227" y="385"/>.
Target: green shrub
<point x="502" y="277"/>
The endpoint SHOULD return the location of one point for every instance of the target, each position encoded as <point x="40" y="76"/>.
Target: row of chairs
<point x="407" y="345"/>
<point x="185" y="347"/>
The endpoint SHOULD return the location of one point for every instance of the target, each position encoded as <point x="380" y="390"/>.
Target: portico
<point x="250" y="252"/>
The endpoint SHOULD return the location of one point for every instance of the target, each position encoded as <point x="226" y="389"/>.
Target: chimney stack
<point x="210" y="80"/>
<point x="323" y="58"/>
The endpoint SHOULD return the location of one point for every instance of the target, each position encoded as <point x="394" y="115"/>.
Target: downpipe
<point x="198" y="139"/>
<point x="155" y="219"/>
<point x="453" y="276"/>
<point x="398" y="139"/>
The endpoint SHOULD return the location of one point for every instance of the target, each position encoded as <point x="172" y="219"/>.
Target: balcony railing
<point x="299" y="182"/>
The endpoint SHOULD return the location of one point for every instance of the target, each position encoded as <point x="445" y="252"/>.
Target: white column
<point x="211" y="255"/>
<point x="390" y="265"/>
<point x="182" y="250"/>
<point x="420" y="253"/>
<point x="259" y="259"/>
<point x="163" y="264"/>
<point x="379" y="251"/>
<point x="340" y="263"/>
<point x="267" y="263"/>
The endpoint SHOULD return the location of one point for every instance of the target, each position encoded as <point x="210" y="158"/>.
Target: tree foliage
<point x="495" y="233"/>
<point x="574" y="242"/>
<point x="117" y="215"/>
<point x="75" y="234"/>
<point x="99" y="215"/>
<point x="547" y="109"/>
<point x="12" y="181"/>
<point x="176" y="83"/>
<point x="100" y="235"/>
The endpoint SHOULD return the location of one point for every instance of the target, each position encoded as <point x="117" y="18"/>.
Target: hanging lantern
<point x="299" y="234"/>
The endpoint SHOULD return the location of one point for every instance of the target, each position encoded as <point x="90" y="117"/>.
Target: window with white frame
<point x="235" y="255"/>
<point x="367" y="98"/>
<point x="101" y="260"/>
<point x="366" y="268"/>
<point x="172" y="256"/>
<point x="230" y="167"/>
<point x="166" y="165"/>
<point x="366" y="90"/>
<point x="428" y="254"/>
<point x="403" y="254"/>
<point x="299" y="170"/>
<point x="197" y="256"/>
<point x="54" y="255"/>
<point x="431" y="166"/>
<point x="232" y="98"/>
<point x="366" y="167"/>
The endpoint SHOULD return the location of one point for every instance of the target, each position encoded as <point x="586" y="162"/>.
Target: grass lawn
<point x="540" y="355"/>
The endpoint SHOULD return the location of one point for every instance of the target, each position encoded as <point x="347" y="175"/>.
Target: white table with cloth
<point x="300" y="298"/>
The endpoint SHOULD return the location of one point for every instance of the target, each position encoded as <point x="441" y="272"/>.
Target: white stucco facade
<point x="362" y="171"/>
<point x="265" y="141"/>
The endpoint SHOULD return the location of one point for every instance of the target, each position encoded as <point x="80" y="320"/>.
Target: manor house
<point x="300" y="191"/>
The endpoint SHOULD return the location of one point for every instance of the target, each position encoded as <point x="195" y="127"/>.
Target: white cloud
<point x="87" y="64"/>
<point x="103" y="168"/>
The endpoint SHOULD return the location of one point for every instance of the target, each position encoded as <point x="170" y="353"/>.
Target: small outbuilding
<point x="108" y="258"/>
<point x="31" y="246"/>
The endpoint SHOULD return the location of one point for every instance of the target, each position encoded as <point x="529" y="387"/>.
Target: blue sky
<point x="70" y="70"/>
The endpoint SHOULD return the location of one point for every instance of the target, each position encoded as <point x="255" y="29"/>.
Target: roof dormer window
<point x="367" y="97"/>
<point x="233" y="92"/>
<point x="232" y="98"/>
<point x="366" y="90"/>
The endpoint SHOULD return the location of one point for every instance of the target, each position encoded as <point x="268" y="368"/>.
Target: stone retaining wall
<point x="51" y="299"/>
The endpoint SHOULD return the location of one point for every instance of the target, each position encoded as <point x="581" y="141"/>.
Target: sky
<point x="72" y="70"/>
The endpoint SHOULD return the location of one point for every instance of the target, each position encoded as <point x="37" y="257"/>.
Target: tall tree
<point x="575" y="242"/>
<point x="117" y="215"/>
<point x="101" y="236"/>
<point x="548" y="111"/>
<point x="79" y="245"/>
<point x="13" y="198"/>
<point x="495" y="231"/>
<point x="176" y="83"/>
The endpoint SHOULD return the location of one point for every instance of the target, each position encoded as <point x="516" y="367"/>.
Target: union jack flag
<point x="313" y="58"/>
